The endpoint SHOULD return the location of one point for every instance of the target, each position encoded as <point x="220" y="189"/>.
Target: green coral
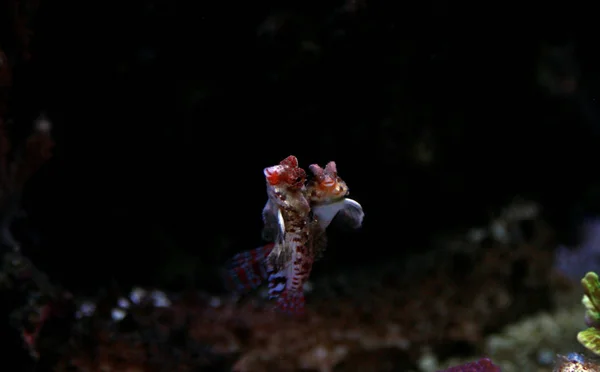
<point x="590" y="338"/>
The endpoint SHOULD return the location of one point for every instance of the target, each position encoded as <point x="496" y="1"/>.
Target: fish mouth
<point x="328" y="184"/>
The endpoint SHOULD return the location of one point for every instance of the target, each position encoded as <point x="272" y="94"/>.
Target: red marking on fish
<point x="287" y="262"/>
<point x="286" y="174"/>
<point x="291" y="298"/>
<point x="298" y="236"/>
<point x="326" y="186"/>
<point x="247" y="270"/>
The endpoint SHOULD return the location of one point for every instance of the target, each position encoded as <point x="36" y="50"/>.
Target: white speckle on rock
<point x="86" y="309"/>
<point x="123" y="303"/>
<point x="118" y="314"/>
<point x="214" y="302"/>
<point x="160" y="299"/>
<point x="137" y="295"/>
<point x="428" y="362"/>
<point x="320" y="353"/>
<point x="42" y="124"/>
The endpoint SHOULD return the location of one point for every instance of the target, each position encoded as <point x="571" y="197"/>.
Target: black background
<point x="166" y="113"/>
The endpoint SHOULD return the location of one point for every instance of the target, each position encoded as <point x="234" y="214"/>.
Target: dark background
<point x="166" y="113"/>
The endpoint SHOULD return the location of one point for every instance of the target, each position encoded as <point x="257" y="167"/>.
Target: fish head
<point x="286" y="174"/>
<point x="326" y="186"/>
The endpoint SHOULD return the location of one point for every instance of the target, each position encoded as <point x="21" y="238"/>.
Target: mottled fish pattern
<point x="295" y="218"/>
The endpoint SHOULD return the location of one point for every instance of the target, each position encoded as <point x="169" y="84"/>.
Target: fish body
<point x="286" y="206"/>
<point x="327" y="194"/>
<point x="290" y="261"/>
<point x="296" y="218"/>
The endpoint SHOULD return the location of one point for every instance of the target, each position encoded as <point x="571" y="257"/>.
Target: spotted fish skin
<point x="290" y="262"/>
<point x="286" y="283"/>
<point x="287" y="207"/>
<point x="295" y="217"/>
<point x="286" y="263"/>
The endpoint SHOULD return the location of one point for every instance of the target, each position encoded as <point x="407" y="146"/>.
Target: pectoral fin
<point x="348" y="209"/>
<point x="274" y="229"/>
<point x="352" y="213"/>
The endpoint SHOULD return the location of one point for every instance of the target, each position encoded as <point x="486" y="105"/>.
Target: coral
<point x="590" y="338"/>
<point x="482" y="365"/>
<point x="591" y="298"/>
<point x="534" y="342"/>
<point x="574" y="363"/>
<point x="530" y="344"/>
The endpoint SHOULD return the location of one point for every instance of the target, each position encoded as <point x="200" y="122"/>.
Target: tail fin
<point x="247" y="270"/>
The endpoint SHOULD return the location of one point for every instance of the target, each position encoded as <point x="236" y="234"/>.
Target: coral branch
<point x="590" y="338"/>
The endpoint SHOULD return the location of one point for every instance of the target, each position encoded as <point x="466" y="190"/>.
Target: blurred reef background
<point x="470" y="137"/>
